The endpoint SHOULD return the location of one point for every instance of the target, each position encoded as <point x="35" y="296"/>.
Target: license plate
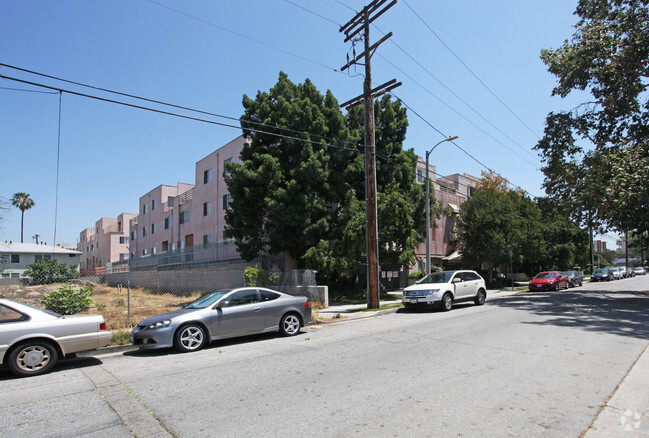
<point x="413" y="301"/>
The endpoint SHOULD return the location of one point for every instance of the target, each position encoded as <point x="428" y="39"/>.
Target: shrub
<point x="68" y="299"/>
<point x="49" y="271"/>
<point x="259" y="277"/>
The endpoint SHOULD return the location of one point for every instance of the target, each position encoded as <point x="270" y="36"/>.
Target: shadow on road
<point x="619" y="312"/>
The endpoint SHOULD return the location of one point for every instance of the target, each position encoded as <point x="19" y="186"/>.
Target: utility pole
<point x="361" y="23"/>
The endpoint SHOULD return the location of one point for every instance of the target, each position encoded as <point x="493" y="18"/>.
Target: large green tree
<point x="300" y="186"/>
<point x="597" y="154"/>
<point x="24" y="202"/>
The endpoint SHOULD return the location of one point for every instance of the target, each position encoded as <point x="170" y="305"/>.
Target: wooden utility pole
<point x="361" y="23"/>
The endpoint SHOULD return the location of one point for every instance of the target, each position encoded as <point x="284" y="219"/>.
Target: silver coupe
<point x="33" y="339"/>
<point x="224" y="314"/>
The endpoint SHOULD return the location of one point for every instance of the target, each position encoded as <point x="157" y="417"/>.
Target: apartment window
<point x="471" y="190"/>
<point x="143" y="208"/>
<point x="133" y="234"/>
<point x="420" y="175"/>
<point x="119" y="226"/>
<point x="207" y="208"/>
<point x="123" y="240"/>
<point x="153" y="204"/>
<point x="225" y="171"/>
<point x="144" y="252"/>
<point x="169" y="221"/>
<point x="123" y="257"/>
<point x="165" y="246"/>
<point x="143" y="231"/>
<point x="207" y="239"/>
<point x="152" y="228"/>
<point x="226" y="201"/>
<point x="132" y="255"/>
<point x="184" y="217"/>
<point x="207" y="176"/>
<point x="445" y="189"/>
<point x="153" y="250"/>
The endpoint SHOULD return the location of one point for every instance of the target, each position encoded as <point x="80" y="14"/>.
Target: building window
<point x="119" y="226"/>
<point x="226" y="201"/>
<point x="471" y="190"/>
<point x="143" y="231"/>
<point x="133" y="234"/>
<point x="123" y="240"/>
<point x="207" y="176"/>
<point x="152" y="228"/>
<point x="170" y="201"/>
<point x="165" y="246"/>
<point x="169" y="222"/>
<point x="207" y="208"/>
<point x="184" y="217"/>
<point x="420" y="175"/>
<point x="152" y="204"/>
<point x="225" y="171"/>
<point x="143" y="208"/>
<point x="207" y="239"/>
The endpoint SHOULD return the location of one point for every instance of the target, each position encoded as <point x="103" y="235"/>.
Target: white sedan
<point x="33" y="339"/>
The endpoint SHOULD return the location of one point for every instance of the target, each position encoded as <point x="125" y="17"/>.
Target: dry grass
<point x="114" y="305"/>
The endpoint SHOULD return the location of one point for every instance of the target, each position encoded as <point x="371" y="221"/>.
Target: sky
<point x="469" y="68"/>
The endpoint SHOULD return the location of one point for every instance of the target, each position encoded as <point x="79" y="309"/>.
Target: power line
<point x="240" y="35"/>
<point x="28" y="91"/>
<point x="470" y="71"/>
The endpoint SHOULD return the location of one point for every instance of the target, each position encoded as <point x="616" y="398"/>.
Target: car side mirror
<point x="221" y="304"/>
<point x="457" y="280"/>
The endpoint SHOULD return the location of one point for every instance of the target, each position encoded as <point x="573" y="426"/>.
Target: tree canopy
<point x="300" y="186"/>
<point x="597" y="154"/>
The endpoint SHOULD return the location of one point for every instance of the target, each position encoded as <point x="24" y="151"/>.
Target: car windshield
<point x="601" y="271"/>
<point x="207" y="300"/>
<point x="437" y="277"/>
<point x="546" y="275"/>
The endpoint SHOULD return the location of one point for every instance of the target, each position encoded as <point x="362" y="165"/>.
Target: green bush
<point x="68" y="299"/>
<point x="49" y="271"/>
<point x="259" y="277"/>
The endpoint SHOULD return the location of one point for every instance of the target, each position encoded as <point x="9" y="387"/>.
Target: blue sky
<point x="208" y="54"/>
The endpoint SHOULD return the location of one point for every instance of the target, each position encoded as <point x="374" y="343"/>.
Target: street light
<point x="428" y="203"/>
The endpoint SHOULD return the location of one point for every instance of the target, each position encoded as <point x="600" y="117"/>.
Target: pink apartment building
<point x="187" y="221"/>
<point x="107" y="242"/>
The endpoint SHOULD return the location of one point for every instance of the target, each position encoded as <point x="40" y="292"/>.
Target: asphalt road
<point x="528" y="365"/>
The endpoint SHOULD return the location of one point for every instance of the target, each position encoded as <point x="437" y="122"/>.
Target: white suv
<point x="445" y="288"/>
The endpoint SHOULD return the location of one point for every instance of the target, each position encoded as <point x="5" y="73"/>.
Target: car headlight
<point x="159" y="324"/>
<point x="432" y="291"/>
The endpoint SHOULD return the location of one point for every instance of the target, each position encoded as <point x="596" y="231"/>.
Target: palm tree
<point x="22" y="201"/>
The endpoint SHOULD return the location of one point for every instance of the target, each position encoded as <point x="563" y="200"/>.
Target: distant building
<point x="15" y="257"/>
<point x="107" y="242"/>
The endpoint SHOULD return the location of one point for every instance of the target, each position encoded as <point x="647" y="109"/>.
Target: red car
<point x="549" y="280"/>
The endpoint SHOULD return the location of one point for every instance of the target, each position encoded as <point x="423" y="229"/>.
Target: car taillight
<point x="306" y="303"/>
<point x="102" y="326"/>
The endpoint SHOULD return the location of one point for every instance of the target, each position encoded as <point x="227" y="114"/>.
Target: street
<point x="528" y="365"/>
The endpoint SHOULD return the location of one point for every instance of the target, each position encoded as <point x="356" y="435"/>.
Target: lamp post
<point x="428" y="203"/>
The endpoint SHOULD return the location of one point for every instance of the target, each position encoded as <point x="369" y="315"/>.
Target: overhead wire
<point x="470" y="71"/>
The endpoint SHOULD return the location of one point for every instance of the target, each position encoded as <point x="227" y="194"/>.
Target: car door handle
<point x="256" y="309"/>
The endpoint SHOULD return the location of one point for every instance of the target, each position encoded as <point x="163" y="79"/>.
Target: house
<point x="15" y="257"/>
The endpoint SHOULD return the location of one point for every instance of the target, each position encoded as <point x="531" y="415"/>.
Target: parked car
<point x="639" y="271"/>
<point x="445" y="288"/>
<point x="549" y="280"/>
<point x="602" y="275"/>
<point x="624" y="272"/>
<point x="33" y="339"/>
<point x="575" y="278"/>
<point x="224" y="314"/>
<point x="631" y="272"/>
<point x="617" y="275"/>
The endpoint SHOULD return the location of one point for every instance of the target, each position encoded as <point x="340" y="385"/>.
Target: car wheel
<point x="447" y="302"/>
<point x="290" y="325"/>
<point x="190" y="337"/>
<point x="480" y="298"/>
<point x="557" y="286"/>
<point x="32" y="358"/>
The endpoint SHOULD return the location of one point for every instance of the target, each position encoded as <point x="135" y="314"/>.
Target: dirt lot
<point x="110" y="302"/>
